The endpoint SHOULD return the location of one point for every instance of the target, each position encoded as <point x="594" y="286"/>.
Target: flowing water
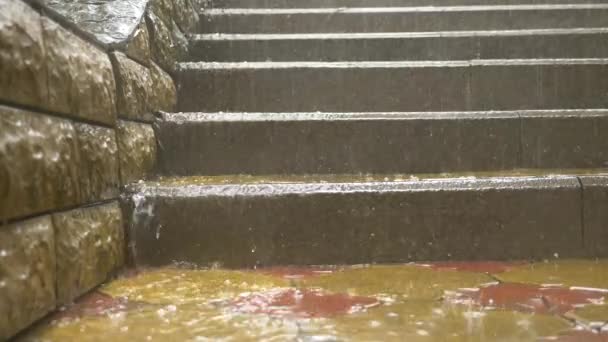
<point x="560" y="300"/>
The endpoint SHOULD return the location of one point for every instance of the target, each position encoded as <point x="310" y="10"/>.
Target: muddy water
<point x="485" y="301"/>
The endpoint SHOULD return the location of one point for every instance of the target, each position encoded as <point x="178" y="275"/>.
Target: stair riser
<point x="515" y="220"/>
<point x="429" y="88"/>
<point x="394" y="49"/>
<point x="451" y="144"/>
<point x="402" y="21"/>
<point x="378" y="3"/>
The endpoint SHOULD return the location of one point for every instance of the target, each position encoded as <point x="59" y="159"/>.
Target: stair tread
<point x="410" y="9"/>
<point x="509" y="178"/>
<point x="325" y="116"/>
<point x="385" y="35"/>
<point x="374" y="3"/>
<point x="186" y="66"/>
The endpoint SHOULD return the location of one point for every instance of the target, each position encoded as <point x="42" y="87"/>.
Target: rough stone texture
<point x="163" y="94"/>
<point x="27" y="274"/>
<point x="80" y="78"/>
<point x="110" y="22"/>
<point x="137" y="145"/>
<point x="133" y="84"/>
<point x="22" y="59"/>
<point x="185" y="15"/>
<point x="180" y="42"/>
<point x="595" y="214"/>
<point x="163" y="9"/>
<point x="138" y="47"/>
<point x="39" y="163"/>
<point x="89" y="247"/>
<point x="142" y="91"/>
<point x="99" y="154"/>
<point x="161" y="43"/>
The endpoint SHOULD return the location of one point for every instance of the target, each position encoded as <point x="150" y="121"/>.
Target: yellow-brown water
<point x="561" y="300"/>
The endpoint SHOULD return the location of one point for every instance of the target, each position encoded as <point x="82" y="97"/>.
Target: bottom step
<point x="245" y="222"/>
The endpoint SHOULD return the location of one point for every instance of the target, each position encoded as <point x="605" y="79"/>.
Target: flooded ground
<point x="483" y="301"/>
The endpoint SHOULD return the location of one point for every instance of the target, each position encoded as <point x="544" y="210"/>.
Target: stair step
<point x="379" y="3"/>
<point x="330" y="143"/>
<point x="453" y="45"/>
<point x="403" y="19"/>
<point x="328" y="221"/>
<point x="475" y="85"/>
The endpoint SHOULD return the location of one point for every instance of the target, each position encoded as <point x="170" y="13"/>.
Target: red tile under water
<point x="531" y="298"/>
<point x="303" y="303"/>
<point x="473" y="266"/>
<point x="579" y="336"/>
<point x="296" y="272"/>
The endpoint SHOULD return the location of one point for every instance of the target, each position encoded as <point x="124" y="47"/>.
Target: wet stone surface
<point x="110" y="22"/>
<point x="595" y="214"/>
<point x="163" y="47"/>
<point x="137" y="147"/>
<point x="80" y="77"/>
<point x="89" y="248"/>
<point x="22" y="63"/>
<point x="99" y="155"/>
<point x="163" y="95"/>
<point x="138" y="47"/>
<point x="413" y="302"/>
<point x="39" y="163"/>
<point x="27" y="274"/>
<point x="133" y="84"/>
<point x="185" y="15"/>
<point x="142" y="90"/>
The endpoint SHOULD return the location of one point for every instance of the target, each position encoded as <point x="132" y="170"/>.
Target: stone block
<point x="137" y="145"/>
<point x="163" y="94"/>
<point x="180" y="42"/>
<point x="27" y="274"/>
<point x="109" y="22"/>
<point x="133" y="84"/>
<point x="89" y="246"/>
<point x="80" y="77"/>
<point x="185" y="15"/>
<point x="138" y="46"/>
<point x="22" y="58"/>
<point x="163" y="9"/>
<point x="99" y="178"/>
<point x="39" y="163"/>
<point x="161" y="42"/>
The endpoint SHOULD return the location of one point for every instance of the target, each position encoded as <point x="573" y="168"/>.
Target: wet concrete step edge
<point x="246" y="225"/>
<point x="453" y="45"/>
<point x="474" y="85"/>
<point x="403" y="19"/>
<point x="376" y="3"/>
<point x="329" y="143"/>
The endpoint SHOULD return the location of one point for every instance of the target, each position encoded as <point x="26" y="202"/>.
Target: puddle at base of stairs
<point x="478" y="301"/>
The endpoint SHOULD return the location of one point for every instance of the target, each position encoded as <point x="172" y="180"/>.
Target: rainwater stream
<point x="561" y="300"/>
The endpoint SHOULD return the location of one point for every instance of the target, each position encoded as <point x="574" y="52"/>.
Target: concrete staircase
<point x="356" y="131"/>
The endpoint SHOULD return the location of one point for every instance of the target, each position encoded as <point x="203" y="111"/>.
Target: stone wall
<point x="80" y="83"/>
